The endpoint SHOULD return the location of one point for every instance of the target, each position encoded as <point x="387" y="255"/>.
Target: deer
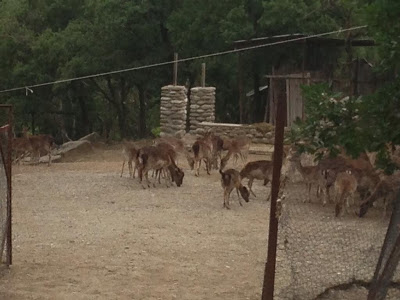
<point x="313" y="175"/>
<point x="152" y="158"/>
<point x="230" y="179"/>
<point x="21" y="148"/>
<point x="129" y="153"/>
<point x="202" y="151"/>
<point x="41" y="143"/>
<point x="217" y="147"/>
<point x="345" y="187"/>
<point x="170" y="150"/>
<point x="260" y="169"/>
<point x="238" y="147"/>
<point x="178" y="146"/>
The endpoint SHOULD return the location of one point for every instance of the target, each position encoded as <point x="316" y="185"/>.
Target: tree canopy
<point x="43" y="41"/>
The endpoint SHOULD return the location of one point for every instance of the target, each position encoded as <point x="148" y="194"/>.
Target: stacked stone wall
<point x="202" y="106"/>
<point x="173" y="110"/>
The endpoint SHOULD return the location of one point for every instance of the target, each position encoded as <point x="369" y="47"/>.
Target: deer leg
<point x="308" y="187"/>
<point x="130" y="168"/>
<point x="134" y="171"/>
<point x="122" y="171"/>
<point x="226" y="201"/>
<point x="328" y="196"/>
<point x="250" y="184"/>
<point x="240" y="202"/>
<point x="49" y="163"/>
<point x="197" y="167"/>
<point x="208" y="166"/>
<point x="228" y="193"/>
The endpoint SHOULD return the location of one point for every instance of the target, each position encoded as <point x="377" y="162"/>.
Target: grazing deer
<point x="201" y="151"/>
<point x="238" y="147"/>
<point x="152" y="158"/>
<point x="129" y="153"/>
<point x="345" y="186"/>
<point x="170" y="150"/>
<point x="260" y="169"/>
<point x="231" y="179"/>
<point x="178" y="146"/>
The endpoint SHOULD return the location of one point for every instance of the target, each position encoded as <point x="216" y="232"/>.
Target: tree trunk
<point x="84" y="116"/>
<point x="142" y="112"/>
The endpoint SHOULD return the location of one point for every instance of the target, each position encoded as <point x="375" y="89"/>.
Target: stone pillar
<point x="202" y="106"/>
<point x="173" y="110"/>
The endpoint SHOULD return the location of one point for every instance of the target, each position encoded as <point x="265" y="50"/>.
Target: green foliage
<point x="156" y="131"/>
<point x="46" y="40"/>
<point x="335" y="122"/>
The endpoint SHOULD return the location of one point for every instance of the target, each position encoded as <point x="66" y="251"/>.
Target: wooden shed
<point x="285" y="80"/>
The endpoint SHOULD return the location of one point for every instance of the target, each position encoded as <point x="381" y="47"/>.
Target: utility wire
<point x="29" y="87"/>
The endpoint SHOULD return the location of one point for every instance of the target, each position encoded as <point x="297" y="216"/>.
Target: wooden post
<point x="9" y="186"/>
<point x="175" y="78"/>
<point x="203" y="74"/>
<point x="269" y="272"/>
<point x="288" y="106"/>
<point x="240" y="86"/>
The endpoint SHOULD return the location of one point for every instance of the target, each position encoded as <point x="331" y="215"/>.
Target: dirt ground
<point x="80" y="231"/>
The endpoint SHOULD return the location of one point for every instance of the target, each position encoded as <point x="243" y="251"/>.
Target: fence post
<point x="175" y="75"/>
<point x="269" y="273"/>
<point x="203" y="74"/>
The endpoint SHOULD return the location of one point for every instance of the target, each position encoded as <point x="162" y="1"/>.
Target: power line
<point x="29" y="87"/>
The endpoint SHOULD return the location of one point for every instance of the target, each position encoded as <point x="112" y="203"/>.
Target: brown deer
<point x="178" y="146"/>
<point x="345" y="187"/>
<point x="313" y="175"/>
<point x="43" y="143"/>
<point x="260" y="169"/>
<point x="129" y="153"/>
<point x="202" y="151"/>
<point x="170" y="150"/>
<point x="230" y="179"/>
<point x="152" y="158"/>
<point x="21" y="148"/>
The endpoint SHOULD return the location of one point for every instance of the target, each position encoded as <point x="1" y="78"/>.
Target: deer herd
<point x="352" y="180"/>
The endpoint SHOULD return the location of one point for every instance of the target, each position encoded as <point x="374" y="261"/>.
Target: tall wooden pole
<point x="9" y="185"/>
<point x="269" y="273"/>
<point x="240" y="87"/>
<point x="175" y="79"/>
<point x="203" y="74"/>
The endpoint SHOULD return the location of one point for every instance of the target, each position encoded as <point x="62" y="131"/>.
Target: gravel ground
<point x="80" y="231"/>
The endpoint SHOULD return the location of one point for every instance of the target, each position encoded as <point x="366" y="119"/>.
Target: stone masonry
<point x="202" y="106"/>
<point x="173" y="110"/>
